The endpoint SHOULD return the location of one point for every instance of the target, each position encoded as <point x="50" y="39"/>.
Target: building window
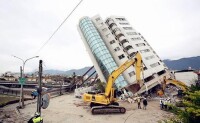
<point x="98" y="19"/>
<point x="161" y="72"/>
<point x="145" y="50"/>
<point x="134" y="39"/>
<point x="101" y="24"/>
<point x="112" y="42"/>
<point x="116" y="49"/>
<point x="116" y="29"/>
<point x="131" y="73"/>
<point x="149" y="57"/>
<point x="108" y="35"/>
<point x="120" y="19"/>
<point x="132" y="54"/>
<point x="121" y="56"/>
<point x="104" y="30"/>
<point x="127" y="28"/>
<point x="119" y="35"/>
<point x="140" y="44"/>
<point x="109" y="19"/>
<point x="155" y="64"/>
<point x="124" y="23"/>
<point x="124" y="41"/>
<point x="145" y="68"/>
<point x="111" y="25"/>
<point x="149" y="78"/>
<point x="128" y="47"/>
<point x="131" y="33"/>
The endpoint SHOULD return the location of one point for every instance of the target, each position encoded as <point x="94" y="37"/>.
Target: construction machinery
<point x="106" y="103"/>
<point x="182" y="87"/>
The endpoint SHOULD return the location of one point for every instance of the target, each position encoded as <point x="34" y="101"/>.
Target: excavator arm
<point x="106" y="103"/>
<point x="177" y="83"/>
<point x="137" y="62"/>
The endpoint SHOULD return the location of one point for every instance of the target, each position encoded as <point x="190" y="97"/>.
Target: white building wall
<point x="187" y="77"/>
<point x="107" y="36"/>
<point x="135" y="39"/>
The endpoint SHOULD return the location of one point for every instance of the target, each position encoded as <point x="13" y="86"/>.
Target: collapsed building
<point x="112" y="42"/>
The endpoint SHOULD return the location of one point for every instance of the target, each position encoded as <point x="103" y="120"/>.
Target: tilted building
<point x="112" y="42"/>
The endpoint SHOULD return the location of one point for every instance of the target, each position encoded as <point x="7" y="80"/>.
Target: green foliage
<point x="191" y="111"/>
<point x="173" y="119"/>
<point x="194" y="88"/>
<point x="4" y="99"/>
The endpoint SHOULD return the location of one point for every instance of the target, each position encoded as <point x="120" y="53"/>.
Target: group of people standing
<point x="164" y="102"/>
<point x="143" y="100"/>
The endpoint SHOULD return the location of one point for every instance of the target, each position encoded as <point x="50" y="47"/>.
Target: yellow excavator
<point x="182" y="87"/>
<point x="106" y="103"/>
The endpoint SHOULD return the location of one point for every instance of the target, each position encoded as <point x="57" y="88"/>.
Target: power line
<point x="59" y="27"/>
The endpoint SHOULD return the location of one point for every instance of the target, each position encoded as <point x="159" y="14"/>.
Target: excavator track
<point x="111" y="109"/>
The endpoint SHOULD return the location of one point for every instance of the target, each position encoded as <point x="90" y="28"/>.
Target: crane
<point x="106" y="102"/>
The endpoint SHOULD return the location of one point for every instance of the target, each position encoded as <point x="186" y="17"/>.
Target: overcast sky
<point x="171" y="27"/>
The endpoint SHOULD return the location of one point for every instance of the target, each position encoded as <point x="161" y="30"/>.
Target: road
<point x="68" y="109"/>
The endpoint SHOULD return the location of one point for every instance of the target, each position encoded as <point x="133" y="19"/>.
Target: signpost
<point x="22" y="80"/>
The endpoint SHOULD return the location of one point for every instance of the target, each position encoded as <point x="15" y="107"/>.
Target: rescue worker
<point x="165" y="104"/>
<point x="161" y="103"/>
<point x="34" y="94"/>
<point x="36" y="118"/>
<point x="168" y="102"/>
<point x="144" y="103"/>
<point x="138" y="101"/>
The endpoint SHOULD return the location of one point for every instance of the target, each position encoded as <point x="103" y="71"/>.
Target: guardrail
<point x="56" y="90"/>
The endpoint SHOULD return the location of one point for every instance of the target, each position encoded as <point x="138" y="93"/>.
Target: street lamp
<point x="22" y="76"/>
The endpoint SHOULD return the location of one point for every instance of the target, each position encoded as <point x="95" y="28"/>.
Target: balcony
<point x="115" y="30"/>
<point x="128" y="47"/>
<point x="122" y="38"/>
<point x="123" y="41"/>
<point x="125" y="45"/>
<point x="118" y="34"/>
<point x="132" y="54"/>
<point x="130" y="51"/>
<point x="111" y="25"/>
<point x="115" y="27"/>
<point x="109" y="21"/>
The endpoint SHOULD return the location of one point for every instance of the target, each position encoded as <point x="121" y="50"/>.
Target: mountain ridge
<point x="179" y="64"/>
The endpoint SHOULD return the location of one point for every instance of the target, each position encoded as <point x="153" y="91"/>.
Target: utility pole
<point x="39" y="90"/>
<point x="74" y="79"/>
<point x="22" y="79"/>
<point x="20" y="99"/>
<point x="23" y="76"/>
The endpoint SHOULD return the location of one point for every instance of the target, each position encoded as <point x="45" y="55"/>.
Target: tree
<point x="191" y="111"/>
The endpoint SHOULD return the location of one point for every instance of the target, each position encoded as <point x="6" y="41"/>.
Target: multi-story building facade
<point x="99" y="53"/>
<point x="122" y="42"/>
